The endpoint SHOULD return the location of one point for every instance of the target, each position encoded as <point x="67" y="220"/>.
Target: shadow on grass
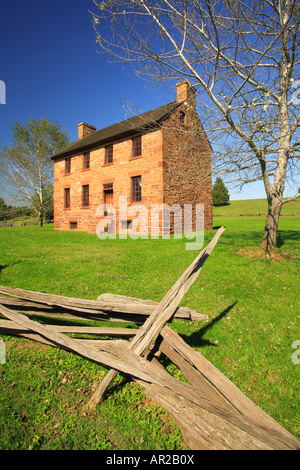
<point x="247" y="237"/>
<point x="3" y="267"/>
<point x="254" y="238"/>
<point x="196" y="338"/>
<point x="287" y="235"/>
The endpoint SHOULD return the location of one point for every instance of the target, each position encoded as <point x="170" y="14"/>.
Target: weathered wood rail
<point x="162" y="313"/>
<point x="211" y="412"/>
<point x="107" y="307"/>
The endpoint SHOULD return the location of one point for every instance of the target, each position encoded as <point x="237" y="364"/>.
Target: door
<point x="108" y="199"/>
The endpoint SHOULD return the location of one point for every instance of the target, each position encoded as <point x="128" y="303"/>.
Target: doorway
<point x="108" y="197"/>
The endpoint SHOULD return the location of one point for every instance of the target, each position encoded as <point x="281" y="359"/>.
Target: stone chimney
<point x="85" y="129"/>
<point x="186" y="92"/>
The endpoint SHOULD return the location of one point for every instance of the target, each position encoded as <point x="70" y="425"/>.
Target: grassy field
<point x="255" y="207"/>
<point x="253" y="308"/>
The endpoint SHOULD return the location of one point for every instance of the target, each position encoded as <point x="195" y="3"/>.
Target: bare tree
<point x="243" y="58"/>
<point x="26" y="169"/>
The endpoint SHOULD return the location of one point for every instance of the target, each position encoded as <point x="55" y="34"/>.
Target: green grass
<point x="254" y="207"/>
<point x="253" y="308"/>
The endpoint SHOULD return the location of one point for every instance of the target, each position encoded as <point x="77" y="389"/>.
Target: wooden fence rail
<point x="211" y="412"/>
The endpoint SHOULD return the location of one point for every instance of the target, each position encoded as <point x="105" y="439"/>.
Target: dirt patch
<point x="258" y="253"/>
<point x="113" y="275"/>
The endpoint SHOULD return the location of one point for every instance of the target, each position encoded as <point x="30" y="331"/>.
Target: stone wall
<point x="187" y="163"/>
<point x="119" y="173"/>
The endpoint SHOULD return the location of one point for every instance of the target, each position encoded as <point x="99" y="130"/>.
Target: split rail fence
<point x="211" y="412"/>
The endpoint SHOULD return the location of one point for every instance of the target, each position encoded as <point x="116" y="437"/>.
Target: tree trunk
<point x="271" y="227"/>
<point x="40" y="219"/>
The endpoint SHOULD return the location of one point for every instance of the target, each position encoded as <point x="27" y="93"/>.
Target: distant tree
<point x="11" y="212"/>
<point x="19" y="212"/>
<point x="3" y="209"/>
<point x="26" y="169"/>
<point x="220" y="193"/>
<point x="3" y="204"/>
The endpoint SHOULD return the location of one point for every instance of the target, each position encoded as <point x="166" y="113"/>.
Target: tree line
<point x="9" y="212"/>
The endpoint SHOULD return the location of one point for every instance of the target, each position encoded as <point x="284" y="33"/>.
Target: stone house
<point x="159" y="157"/>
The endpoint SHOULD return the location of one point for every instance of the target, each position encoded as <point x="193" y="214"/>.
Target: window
<point x="67" y="166"/>
<point x="108" y="155"/>
<point x="182" y="118"/>
<point x="136" y="189"/>
<point x="73" y="225"/>
<point x="85" y="195"/>
<point x="137" y="147"/>
<point x="67" y="198"/>
<point x="126" y="225"/>
<point x="86" y="161"/>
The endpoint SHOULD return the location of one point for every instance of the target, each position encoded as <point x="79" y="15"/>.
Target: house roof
<point x="117" y="131"/>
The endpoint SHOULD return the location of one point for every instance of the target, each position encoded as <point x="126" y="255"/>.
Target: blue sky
<point x="51" y="67"/>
